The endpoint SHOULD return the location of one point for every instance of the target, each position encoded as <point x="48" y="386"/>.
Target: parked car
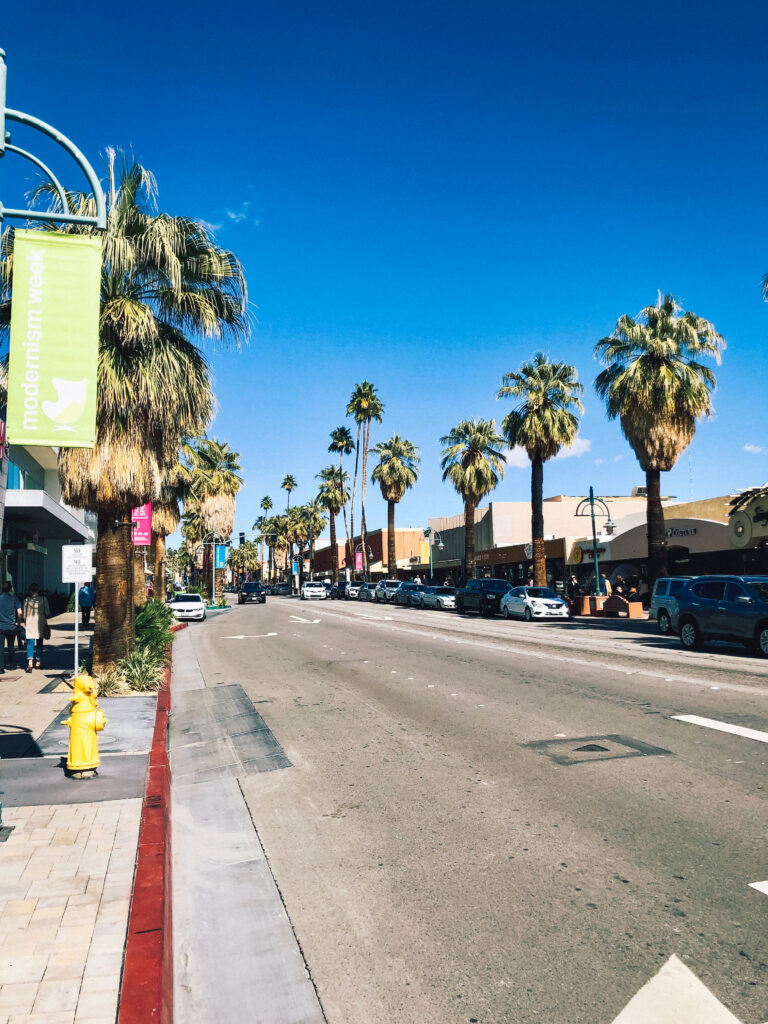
<point x="386" y="590"/>
<point x="188" y="606"/>
<point x="338" y="590"/>
<point x="282" y="588"/>
<point x="312" y="590"/>
<point x="366" y="592"/>
<point x="442" y="598"/>
<point x="408" y="594"/>
<point x="352" y="590"/>
<point x="483" y="596"/>
<point x="251" y="591"/>
<point x="731" y="608"/>
<point x="664" y="601"/>
<point x="534" y="603"/>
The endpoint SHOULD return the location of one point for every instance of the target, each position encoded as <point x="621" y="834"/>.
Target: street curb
<point x="147" y="984"/>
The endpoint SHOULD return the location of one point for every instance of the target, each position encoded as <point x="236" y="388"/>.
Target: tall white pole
<point x="213" y="570"/>
<point x="77" y="625"/>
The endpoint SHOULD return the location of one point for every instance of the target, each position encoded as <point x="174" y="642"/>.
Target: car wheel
<point x="203" y="618"/>
<point x="505" y="611"/>
<point x="664" y="622"/>
<point x="460" y="607"/>
<point x="690" y="635"/>
<point x="761" y="639"/>
<point x="528" y="614"/>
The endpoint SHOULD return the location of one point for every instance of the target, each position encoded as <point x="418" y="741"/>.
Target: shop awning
<point x="37" y="512"/>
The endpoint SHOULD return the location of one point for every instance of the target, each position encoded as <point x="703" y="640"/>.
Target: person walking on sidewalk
<point x="10" y="616"/>
<point x="36" y="614"/>
<point x="85" y="600"/>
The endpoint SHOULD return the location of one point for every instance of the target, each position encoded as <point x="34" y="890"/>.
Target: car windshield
<point x="540" y="592"/>
<point x="187" y="599"/>
<point x="444" y="591"/>
<point x="251" y="586"/>
<point x="498" y="585"/>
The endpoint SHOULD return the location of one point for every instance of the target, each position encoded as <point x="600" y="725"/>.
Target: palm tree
<point x="165" y="286"/>
<point x="334" y="495"/>
<point x="365" y="405"/>
<point x="542" y="423"/>
<point x="215" y="467"/>
<point x="341" y="442"/>
<point x="289" y="484"/>
<point x="315" y="514"/>
<point x="265" y="505"/>
<point x="473" y="461"/>
<point x="396" y="472"/>
<point x="657" y="386"/>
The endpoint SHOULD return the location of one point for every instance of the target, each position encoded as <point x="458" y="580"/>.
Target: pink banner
<point x="142" y="517"/>
<point x="358" y="560"/>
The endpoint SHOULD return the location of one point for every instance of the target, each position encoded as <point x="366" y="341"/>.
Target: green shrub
<point x="153" y="622"/>
<point x="109" y="682"/>
<point x="143" y="671"/>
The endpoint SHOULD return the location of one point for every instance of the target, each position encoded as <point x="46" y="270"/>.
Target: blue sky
<point x="424" y="194"/>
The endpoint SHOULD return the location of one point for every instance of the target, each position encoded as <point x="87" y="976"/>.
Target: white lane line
<point x="711" y="723"/>
<point x="298" y="618"/>
<point x="247" y="636"/>
<point x="760" y="886"/>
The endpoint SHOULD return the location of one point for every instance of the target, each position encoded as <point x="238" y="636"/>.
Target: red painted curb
<point x="147" y="987"/>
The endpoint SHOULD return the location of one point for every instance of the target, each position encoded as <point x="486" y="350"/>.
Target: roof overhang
<point x="36" y="511"/>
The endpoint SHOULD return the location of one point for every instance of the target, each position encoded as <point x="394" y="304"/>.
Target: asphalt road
<point x="445" y="850"/>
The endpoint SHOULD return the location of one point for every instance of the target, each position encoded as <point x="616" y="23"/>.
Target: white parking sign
<point x="76" y="563"/>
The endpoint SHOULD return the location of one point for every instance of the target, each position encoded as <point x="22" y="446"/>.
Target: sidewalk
<point x="67" y="848"/>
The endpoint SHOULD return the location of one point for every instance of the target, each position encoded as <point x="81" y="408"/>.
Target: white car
<point x="313" y="590"/>
<point x="442" y="598"/>
<point x="353" y="590"/>
<point x="531" y="603"/>
<point x="188" y="606"/>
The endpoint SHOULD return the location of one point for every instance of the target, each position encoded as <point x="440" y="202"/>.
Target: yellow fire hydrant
<point x="85" y="720"/>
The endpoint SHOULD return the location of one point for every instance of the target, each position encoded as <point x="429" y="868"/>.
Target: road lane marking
<point x="247" y="636"/>
<point x="675" y="994"/>
<point x="711" y="723"/>
<point x="760" y="886"/>
<point x="310" y="622"/>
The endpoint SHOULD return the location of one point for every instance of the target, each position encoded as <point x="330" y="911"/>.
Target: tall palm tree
<point x="289" y="484"/>
<point x="542" y="423"/>
<point x="165" y="287"/>
<point x="315" y="514"/>
<point x="396" y="472"/>
<point x="342" y="443"/>
<point x="366" y="406"/>
<point x="473" y="461"/>
<point x="215" y="468"/>
<point x="334" y="495"/>
<point x="656" y="384"/>
<point x="265" y="505"/>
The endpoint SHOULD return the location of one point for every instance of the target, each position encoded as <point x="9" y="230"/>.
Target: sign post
<point x="77" y="568"/>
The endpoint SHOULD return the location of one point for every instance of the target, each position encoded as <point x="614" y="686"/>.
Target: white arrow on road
<point x="247" y="636"/>
<point x="298" y="618"/>
<point x="675" y="996"/>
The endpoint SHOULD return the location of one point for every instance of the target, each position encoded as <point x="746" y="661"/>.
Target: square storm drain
<point x="594" y="748"/>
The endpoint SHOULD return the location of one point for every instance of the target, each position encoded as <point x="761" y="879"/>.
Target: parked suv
<point x="408" y="594"/>
<point x="664" y="606"/>
<point x="483" y="596"/>
<point x="725" y="608"/>
<point x="251" y="591"/>
<point x="338" y="590"/>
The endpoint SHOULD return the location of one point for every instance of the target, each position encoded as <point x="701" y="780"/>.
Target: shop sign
<point x="674" y="531"/>
<point x="141" y="517"/>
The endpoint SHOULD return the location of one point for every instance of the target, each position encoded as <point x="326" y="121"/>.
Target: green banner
<point x="54" y="339"/>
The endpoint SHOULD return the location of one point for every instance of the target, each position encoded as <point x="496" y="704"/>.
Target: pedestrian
<point x="605" y="585"/>
<point x="417" y="580"/>
<point x="36" y="615"/>
<point x="10" y="616"/>
<point x="85" y="599"/>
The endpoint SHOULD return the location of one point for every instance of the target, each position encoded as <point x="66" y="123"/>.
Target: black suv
<point x="483" y="596"/>
<point x="731" y="608"/>
<point x="338" y="590"/>
<point x="251" y="591"/>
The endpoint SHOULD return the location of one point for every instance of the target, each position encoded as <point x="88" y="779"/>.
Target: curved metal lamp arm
<point x="45" y="169"/>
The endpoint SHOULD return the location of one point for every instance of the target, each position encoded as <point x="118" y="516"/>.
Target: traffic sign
<point x="76" y="563"/>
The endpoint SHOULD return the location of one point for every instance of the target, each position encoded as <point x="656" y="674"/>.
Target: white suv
<point x="313" y="589"/>
<point x="385" y="590"/>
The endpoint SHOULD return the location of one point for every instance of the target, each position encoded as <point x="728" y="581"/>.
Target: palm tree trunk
<point x="160" y="567"/>
<point x="334" y="548"/>
<point x="351" y="558"/>
<point x="657" y="539"/>
<point x="366" y="439"/>
<point x="139" y="579"/>
<point x="469" y="541"/>
<point x="391" y="553"/>
<point x="347" y="550"/>
<point x="113" y="629"/>
<point x="537" y="523"/>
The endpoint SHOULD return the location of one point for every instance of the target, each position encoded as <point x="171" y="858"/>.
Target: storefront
<point x="515" y="562"/>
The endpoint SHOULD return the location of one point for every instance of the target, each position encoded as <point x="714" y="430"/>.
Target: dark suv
<point x="251" y="591"/>
<point x="731" y="608"/>
<point x="483" y="596"/>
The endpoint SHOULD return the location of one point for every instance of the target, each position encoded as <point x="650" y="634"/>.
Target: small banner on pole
<point x="54" y="339"/>
<point x="142" y="531"/>
<point x="221" y="556"/>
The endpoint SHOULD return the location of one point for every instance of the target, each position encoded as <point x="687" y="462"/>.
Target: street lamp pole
<point x="430" y="534"/>
<point x="602" y="509"/>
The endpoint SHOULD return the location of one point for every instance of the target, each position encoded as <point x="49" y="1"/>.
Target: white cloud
<point x="599" y="462"/>
<point x="517" y="458"/>
<point x="755" y="449"/>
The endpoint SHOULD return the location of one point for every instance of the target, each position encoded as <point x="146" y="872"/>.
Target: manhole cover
<point x="581" y="749"/>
